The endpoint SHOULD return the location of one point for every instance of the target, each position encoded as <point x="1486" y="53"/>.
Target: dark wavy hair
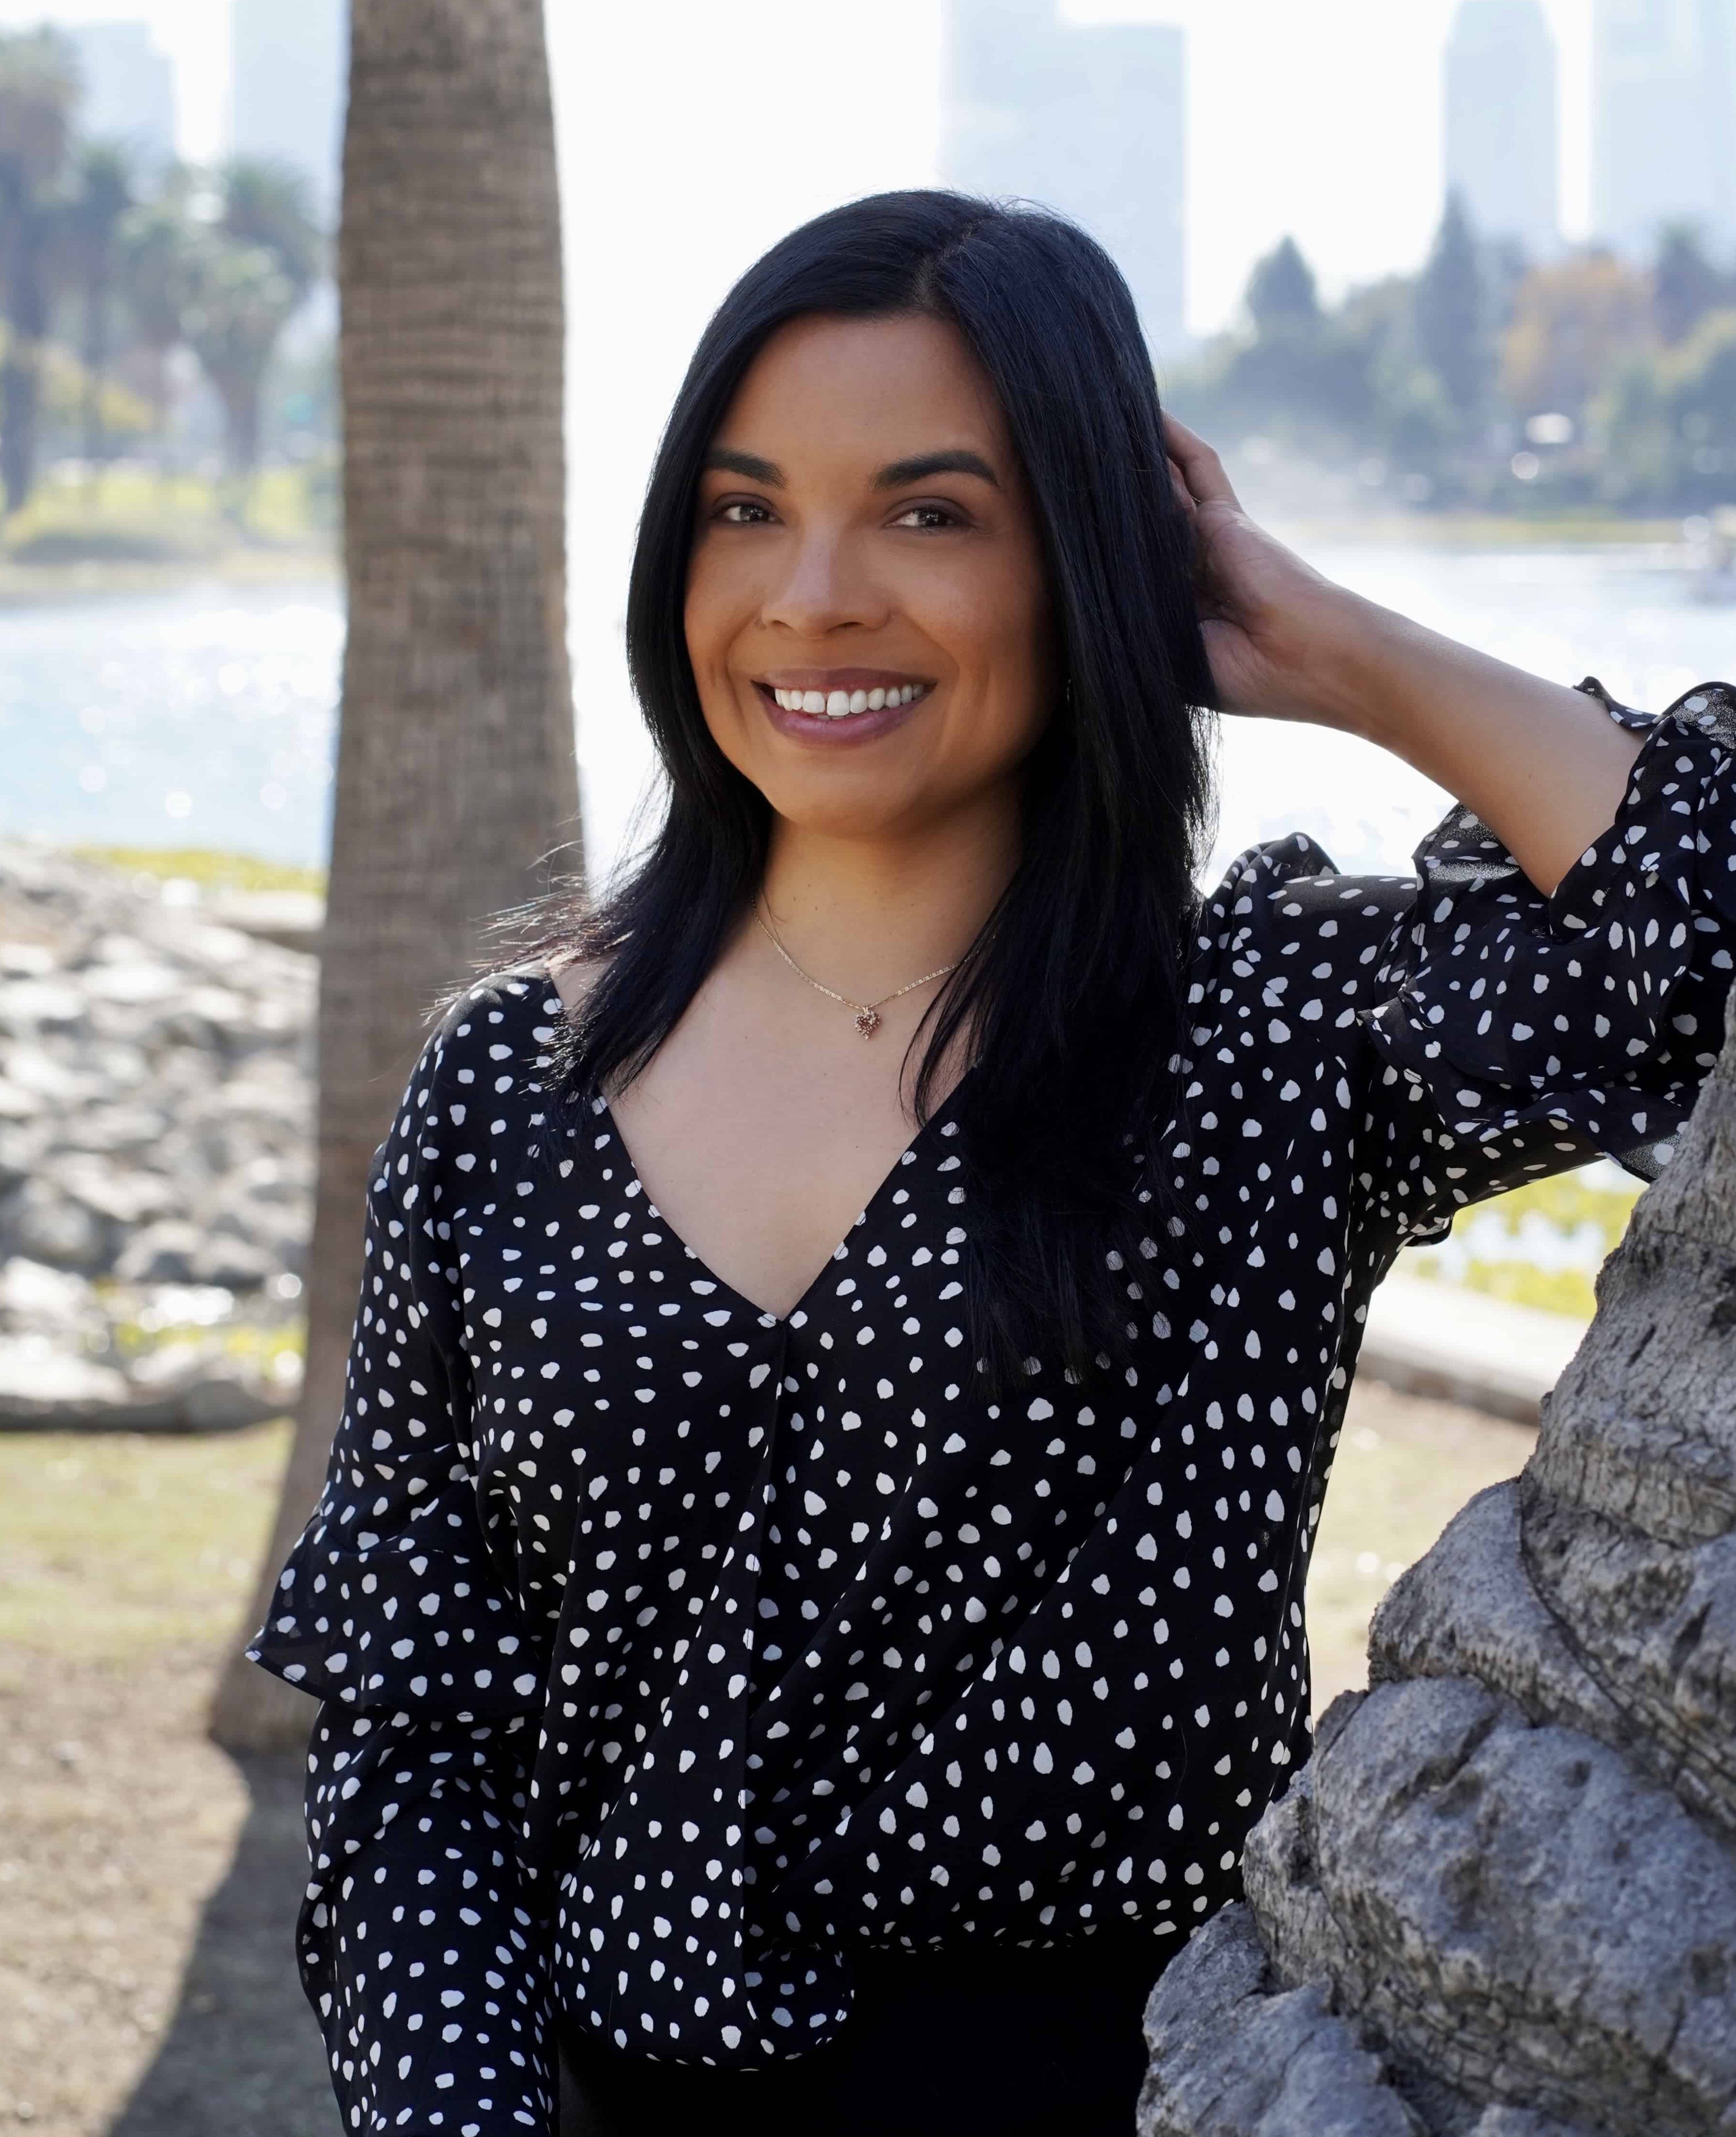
<point x="1070" y="996"/>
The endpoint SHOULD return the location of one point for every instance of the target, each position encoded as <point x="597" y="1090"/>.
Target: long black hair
<point x="1069" y="997"/>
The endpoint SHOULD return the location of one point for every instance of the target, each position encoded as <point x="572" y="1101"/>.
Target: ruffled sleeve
<point x="417" y="1948"/>
<point x="1516" y="1034"/>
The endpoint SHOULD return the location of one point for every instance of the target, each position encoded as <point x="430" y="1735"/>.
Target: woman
<point x="808" y="1597"/>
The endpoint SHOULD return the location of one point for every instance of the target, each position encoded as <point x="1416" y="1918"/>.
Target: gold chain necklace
<point x="867" y="1018"/>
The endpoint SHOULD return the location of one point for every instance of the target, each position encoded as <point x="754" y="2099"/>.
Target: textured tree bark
<point x="1499" y="1900"/>
<point x="456" y="779"/>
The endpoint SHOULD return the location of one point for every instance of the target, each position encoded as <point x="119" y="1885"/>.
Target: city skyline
<point x="127" y="93"/>
<point x="1090" y="119"/>
<point x="1333" y="133"/>
<point x="1501" y="122"/>
<point x="1663" y="94"/>
<point x="289" y="61"/>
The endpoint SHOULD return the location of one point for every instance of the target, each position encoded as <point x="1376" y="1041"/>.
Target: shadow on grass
<point x="242" y="2057"/>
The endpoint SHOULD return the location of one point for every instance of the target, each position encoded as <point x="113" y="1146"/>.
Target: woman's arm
<point x="1544" y="766"/>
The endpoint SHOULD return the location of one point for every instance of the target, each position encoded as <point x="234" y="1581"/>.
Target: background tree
<point x="1451" y="313"/>
<point x="1574" y="323"/>
<point x="39" y="87"/>
<point x="88" y="247"/>
<point x="456" y="769"/>
<point x="1684" y="284"/>
<point x="1283" y="295"/>
<point x="269" y="204"/>
<point x="155" y="266"/>
<point x="238" y="301"/>
<point x="246" y="272"/>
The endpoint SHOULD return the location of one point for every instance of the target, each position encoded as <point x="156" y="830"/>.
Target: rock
<point x="161" y="1254"/>
<point x="39" y="1380"/>
<point x="40" y="1221"/>
<point x="156" y="1112"/>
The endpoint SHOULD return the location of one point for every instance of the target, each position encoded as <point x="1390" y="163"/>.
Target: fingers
<point x="1183" y="495"/>
<point x="1201" y="470"/>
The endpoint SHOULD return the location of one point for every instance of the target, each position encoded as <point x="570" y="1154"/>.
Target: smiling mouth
<point x="845" y="704"/>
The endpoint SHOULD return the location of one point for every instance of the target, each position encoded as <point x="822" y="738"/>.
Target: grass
<point x="212" y="870"/>
<point x="1405" y="1466"/>
<point x="115" y="1545"/>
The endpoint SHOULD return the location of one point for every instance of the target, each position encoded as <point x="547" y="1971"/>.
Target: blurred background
<point x="1453" y="285"/>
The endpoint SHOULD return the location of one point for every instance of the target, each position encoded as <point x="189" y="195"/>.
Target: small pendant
<point x="868" y="1022"/>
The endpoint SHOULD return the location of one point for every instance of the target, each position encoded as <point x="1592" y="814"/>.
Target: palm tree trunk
<point x="1500" y="1897"/>
<point x="455" y="771"/>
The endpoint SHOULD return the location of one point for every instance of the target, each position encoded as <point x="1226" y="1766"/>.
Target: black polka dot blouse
<point x="671" y="1653"/>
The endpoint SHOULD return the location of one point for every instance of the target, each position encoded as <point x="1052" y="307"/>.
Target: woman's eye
<point x="927" y="517"/>
<point x="745" y="512"/>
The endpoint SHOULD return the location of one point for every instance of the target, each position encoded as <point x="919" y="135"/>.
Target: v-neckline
<point x="603" y="1111"/>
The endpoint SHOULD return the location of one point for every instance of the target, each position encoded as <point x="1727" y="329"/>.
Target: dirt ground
<point x="147" y="1882"/>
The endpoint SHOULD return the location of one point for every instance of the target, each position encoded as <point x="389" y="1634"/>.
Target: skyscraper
<point x="290" y="61"/>
<point x="1087" y="119"/>
<point x="1502" y="137"/>
<point x="128" y="89"/>
<point x="1664" y="118"/>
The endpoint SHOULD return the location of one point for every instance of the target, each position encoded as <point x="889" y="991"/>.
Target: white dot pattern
<point x="670" y="1652"/>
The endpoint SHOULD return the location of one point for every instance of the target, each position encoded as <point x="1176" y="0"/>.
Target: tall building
<point x="1663" y="119"/>
<point x="290" y="61"/>
<point x="1502" y="127"/>
<point x="128" y="92"/>
<point x="1087" y="120"/>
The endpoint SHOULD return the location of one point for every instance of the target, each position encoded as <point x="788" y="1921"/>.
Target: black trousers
<point x="939" y="2044"/>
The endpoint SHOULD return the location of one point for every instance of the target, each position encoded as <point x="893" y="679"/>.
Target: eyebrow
<point x="901" y="473"/>
<point x="724" y="459"/>
<point x="898" y="475"/>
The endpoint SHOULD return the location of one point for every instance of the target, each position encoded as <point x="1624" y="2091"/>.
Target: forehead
<point x="876" y="389"/>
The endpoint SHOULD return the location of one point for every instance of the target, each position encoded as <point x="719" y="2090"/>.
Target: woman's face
<point x="866" y="613"/>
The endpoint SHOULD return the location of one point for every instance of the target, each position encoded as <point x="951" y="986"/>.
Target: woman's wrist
<point x="1340" y="656"/>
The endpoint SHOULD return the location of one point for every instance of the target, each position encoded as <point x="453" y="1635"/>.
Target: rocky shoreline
<point x="156" y="1095"/>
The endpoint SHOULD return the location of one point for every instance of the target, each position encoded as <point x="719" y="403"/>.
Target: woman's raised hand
<point x="1269" y="621"/>
<point x="1544" y="766"/>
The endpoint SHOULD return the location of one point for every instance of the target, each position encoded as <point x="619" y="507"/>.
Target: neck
<point x="872" y="913"/>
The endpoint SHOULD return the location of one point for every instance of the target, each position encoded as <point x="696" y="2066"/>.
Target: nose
<point x="825" y="585"/>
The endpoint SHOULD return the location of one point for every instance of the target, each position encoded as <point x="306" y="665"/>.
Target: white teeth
<point x="841" y="704"/>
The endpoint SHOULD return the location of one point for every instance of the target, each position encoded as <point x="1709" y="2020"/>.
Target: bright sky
<point x="693" y="134"/>
<point x="1323" y="120"/>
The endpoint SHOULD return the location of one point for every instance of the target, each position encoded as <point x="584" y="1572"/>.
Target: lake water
<point x="206" y="716"/>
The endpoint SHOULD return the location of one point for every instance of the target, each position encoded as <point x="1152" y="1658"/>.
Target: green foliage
<point x="1281" y="295"/>
<point x="1493" y="1250"/>
<point x="1684" y="284"/>
<point x="1451" y="335"/>
<point x="1571" y="386"/>
<point x="217" y="263"/>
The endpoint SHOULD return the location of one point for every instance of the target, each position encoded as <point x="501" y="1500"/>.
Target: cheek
<point x="1000" y="632"/>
